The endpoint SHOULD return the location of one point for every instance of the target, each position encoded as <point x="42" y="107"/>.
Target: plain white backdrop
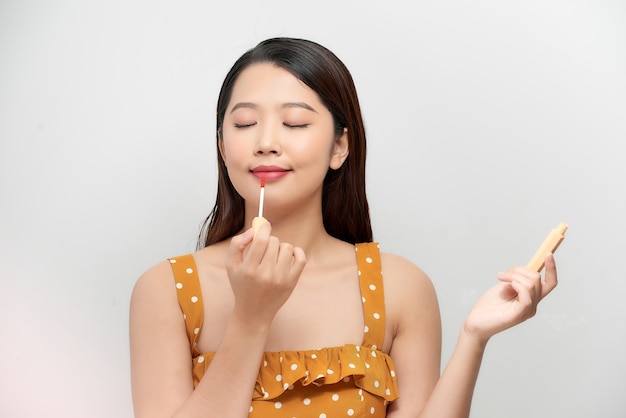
<point x="488" y="122"/>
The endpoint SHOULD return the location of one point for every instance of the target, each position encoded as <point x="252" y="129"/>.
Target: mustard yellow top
<point x="351" y="380"/>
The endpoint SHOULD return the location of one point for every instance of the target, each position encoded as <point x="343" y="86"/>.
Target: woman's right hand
<point x="263" y="272"/>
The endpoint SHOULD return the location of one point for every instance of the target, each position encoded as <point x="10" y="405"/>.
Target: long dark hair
<point x="344" y="202"/>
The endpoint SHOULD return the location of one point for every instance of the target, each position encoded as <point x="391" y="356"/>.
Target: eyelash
<point x="242" y="126"/>
<point x="247" y="125"/>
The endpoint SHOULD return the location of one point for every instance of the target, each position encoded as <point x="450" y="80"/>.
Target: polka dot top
<point x="351" y="380"/>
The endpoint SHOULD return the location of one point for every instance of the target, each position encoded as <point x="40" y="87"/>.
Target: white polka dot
<point x="189" y="270"/>
<point x="360" y="392"/>
<point x="329" y="371"/>
<point x="278" y="405"/>
<point x="373" y="353"/>
<point x="367" y="365"/>
<point x="285" y="386"/>
<point x="306" y="401"/>
<point x="393" y="373"/>
<point x="173" y="261"/>
<point x="279" y="377"/>
<point x="319" y="376"/>
<point x="374" y="347"/>
<point x="194" y="299"/>
<point x="363" y="299"/>
<point x="376" y="383"/>
<point x="335" y="397"/>
<point x="264" y="363"/>
<point x="358" y="348"/>
<point x="352" y="366"/>
<point x="196" y="331"/>
<point x="294" y="366"/>
<point x="358" y="272"/>
<point x="376" y="316"/>
<point x="387" y="392"/>
<point x="313" y="356"/>
<point x="251" y="408"/>
<point x="201" y="359"/>
<point x="372" y="287"/>
<point x="366" y="329"/>
<point x="179" y="285"/>
<point x="368" y="260"/>
<point x="266" y="395"/>
<point x="350" y="412"/>
<point x="322" y="415"/>
<point x="185" y="316"/>
<point x="280" y="359"/>
<point x="372" y="410"/>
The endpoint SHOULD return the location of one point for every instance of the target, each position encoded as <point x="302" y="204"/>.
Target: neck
<point x="301" y="228"/>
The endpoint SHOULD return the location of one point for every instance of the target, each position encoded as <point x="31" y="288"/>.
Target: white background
<point x="489" y="123"/>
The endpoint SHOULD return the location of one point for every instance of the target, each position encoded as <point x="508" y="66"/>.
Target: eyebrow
<point x="249" y="105"/>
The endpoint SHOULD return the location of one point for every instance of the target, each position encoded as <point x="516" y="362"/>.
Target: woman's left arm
<point x="505" y="305"/>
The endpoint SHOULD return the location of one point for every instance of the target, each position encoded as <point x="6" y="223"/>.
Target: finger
<point x="525" y="299"/>
<point x="291" y="259"/>
<point x="237" y="248"/>
<point x="285" y="256"/>
<point x="550" y="280"/>
<point x="299" y="260"/>
<point x="528" y="279"/>
<point x="267" y="261"/>
<point x="260" y="242"/>
<point x="238" y="243"/>
<point x="522" y="275"/>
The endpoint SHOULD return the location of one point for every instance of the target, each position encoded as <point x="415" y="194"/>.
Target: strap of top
<point x="370" y="281"/>
<point x="189" y="297"/>
<point x="372" y="293"/>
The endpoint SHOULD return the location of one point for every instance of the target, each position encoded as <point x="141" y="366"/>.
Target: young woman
<point x="298" y="319"/>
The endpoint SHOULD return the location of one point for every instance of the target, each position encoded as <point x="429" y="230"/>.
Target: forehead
<point x="262" y="83"/>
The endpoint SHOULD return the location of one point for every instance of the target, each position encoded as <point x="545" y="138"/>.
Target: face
<point x="275" y="127"/>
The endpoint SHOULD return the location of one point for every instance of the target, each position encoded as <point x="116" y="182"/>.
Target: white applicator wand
<point x="258" y="221"/>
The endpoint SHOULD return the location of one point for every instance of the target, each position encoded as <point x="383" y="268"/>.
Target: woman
<point x="297" y="318"/>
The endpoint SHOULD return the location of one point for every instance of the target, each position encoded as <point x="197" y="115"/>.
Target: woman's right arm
<point x="262" y="279"/>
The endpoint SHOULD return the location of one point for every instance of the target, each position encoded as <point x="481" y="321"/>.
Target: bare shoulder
<point x="409" y="291"/>
<point x="157" y="279"/>
<point x="402" y="274"/>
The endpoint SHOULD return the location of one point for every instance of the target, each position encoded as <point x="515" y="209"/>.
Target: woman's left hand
<point x="510" y="302"/>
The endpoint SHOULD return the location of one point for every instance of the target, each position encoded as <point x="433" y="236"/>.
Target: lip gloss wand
<point x="258" y="221"/>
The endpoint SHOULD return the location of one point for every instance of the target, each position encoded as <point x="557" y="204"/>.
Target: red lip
<point x="269" y="172"/>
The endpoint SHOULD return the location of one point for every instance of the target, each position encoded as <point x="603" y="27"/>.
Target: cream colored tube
<point x="549" y="245"/>
<point x="256" y="223"/>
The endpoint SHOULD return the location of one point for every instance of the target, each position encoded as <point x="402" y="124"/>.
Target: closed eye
<point x="244" y="125"/>
<point x="300" y="125"/>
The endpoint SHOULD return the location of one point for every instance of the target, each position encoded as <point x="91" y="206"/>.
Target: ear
<point x="220" y="146"/>
<point x="340" y="150"/>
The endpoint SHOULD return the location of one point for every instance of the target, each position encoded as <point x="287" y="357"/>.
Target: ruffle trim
<point x="371" y="370"/>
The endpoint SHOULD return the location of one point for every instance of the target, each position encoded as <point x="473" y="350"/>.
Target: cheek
<point x="232" y="152"/>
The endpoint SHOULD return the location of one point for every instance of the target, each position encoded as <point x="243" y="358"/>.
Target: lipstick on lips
<point x="269" y="172"/>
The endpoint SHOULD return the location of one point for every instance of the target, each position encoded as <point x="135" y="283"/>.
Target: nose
<point x="268" y="142"/>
